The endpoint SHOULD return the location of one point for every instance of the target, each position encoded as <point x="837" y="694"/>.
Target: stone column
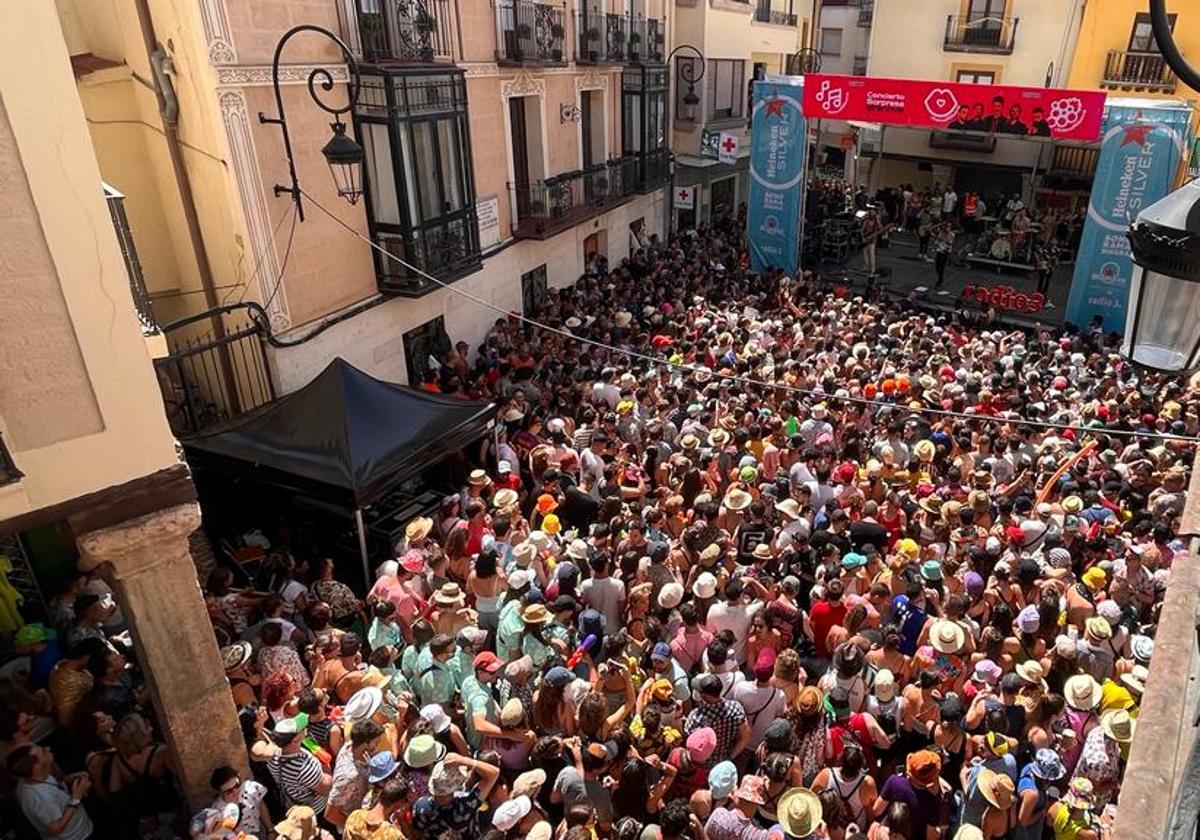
<point x="147" y="562"/>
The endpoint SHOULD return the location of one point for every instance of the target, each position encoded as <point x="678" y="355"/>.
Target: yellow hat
<point x="551" y="525"/>
<point x="908" y="548"/>
<point x="1095" y="578"/>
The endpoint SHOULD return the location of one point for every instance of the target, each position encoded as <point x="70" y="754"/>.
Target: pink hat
<point x="701" y="744"/>
<point x="413" y="561"/>
<point x="764" y="665"/>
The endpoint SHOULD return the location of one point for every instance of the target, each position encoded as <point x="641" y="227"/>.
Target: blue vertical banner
<point x="778" y="143"/>
<point x="1141" y="148"/>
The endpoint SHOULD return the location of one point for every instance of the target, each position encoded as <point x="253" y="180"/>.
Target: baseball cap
<point x="487" y="661"/>
<point x="722" y="779"/>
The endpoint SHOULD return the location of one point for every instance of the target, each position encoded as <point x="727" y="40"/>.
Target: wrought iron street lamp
<point x="1162" y="322"/>
<point x="343" y="154"/>
<point x="688" y="72"/>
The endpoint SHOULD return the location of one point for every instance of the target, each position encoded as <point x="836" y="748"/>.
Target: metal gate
<point x="215" y="367"/>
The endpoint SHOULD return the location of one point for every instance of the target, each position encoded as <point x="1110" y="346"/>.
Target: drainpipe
<point x="168" y="108"/>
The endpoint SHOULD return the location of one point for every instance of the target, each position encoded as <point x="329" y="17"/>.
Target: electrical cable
<point x="257" y="263"/>
<point x="287" y="252"/>
<point x="940" y="412"/>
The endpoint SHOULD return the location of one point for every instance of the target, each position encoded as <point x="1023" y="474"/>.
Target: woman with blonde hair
<point x="788" y="676"/>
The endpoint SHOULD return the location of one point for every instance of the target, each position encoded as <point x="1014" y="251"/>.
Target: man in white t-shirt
<point x="762" y="701"/>
<point x="949" y="202"/>
<point x="735" y="614"/>
<point x="604" y="593"/>
<point x="52" y="808"/>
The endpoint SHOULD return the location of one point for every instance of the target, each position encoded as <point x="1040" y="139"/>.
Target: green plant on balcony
<point x="618" y="36"/>
<point x="425" y="22"/>
<point x="635" y="37"/>
<point x="524" y="30"/>
<point x="593" y="35"/>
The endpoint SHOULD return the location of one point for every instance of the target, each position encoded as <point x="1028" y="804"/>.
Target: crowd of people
<point x="745" y="560"/>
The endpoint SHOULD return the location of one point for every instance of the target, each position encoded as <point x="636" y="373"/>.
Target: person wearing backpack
<point x="846" y="727"/>
<point x="762" y="701"/>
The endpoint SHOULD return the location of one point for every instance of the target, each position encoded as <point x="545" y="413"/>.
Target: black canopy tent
<point x="346" y="438"/>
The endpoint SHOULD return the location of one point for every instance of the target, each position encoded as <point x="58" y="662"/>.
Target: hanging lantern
<point x="1162" y="322"/>
<point x="345" y="159"/>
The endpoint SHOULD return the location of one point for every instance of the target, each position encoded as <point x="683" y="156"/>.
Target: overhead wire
<point x="245" y="285"/>
<point x="287" y="252"/>
<point x="812" y="394"/>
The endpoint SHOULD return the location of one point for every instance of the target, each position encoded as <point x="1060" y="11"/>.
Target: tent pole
<point x="362" y="547"/>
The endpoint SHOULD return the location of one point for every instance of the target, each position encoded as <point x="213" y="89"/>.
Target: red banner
<point x="955" y="106"/>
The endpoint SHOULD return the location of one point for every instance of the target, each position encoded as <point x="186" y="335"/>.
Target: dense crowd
<point x="745" y="560"/>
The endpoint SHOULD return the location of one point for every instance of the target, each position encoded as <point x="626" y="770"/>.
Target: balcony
<point x="545" y="208"/>
<point x="402" y="31"/>
<point x="866" y="12"/>
<point x="618" y="39"/>
<point x="137" y="281"/>
<point x="646" y="38"/>
<point x="1074" y="162"/>
<point x="1146" y="71"/>
<point x="653" y="169"/>
<point x="860" y="65"/>
<point x="763" y="13"/>
<point x="447" y="248"/>
<point x="529" y="33"/>
<point x="993" y="36"/>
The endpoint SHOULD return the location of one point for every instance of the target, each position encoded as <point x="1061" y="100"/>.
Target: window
<point x="533" y="290"/>
<point x="686" y="68"/>
<point x="644" y="123"/>
<point x="1141" y="39"/>
<point x="986" y="9"/>
<point x="725" y="98"/>
<point x="428" y="341"/>
<point x="417" y="176"/>
<point x="976" y="77"/>
<point x="831" y="42"/>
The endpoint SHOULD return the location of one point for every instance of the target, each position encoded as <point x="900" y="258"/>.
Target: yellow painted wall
<point x="1107" y="25"/>
<point x="79" y="404"/>
<point x="127" y="129"/>
<point x="910" y="45"/>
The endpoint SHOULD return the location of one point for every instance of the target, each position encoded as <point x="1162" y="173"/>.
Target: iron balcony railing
<point x="529" y="32"/>
<point x="646" y="38"/>
<point x="545" y="208"/>
<point x="860" y="65"/>
<point x="137" y="281"/>
<point x="1138" y="71"/>
<point x="403" y="31"/>
<point x="606" y="38"/>
<point x="763" y="13"/>
<point x="980" y="34"/>
<point x="865" y="13"/>
<point x="446" y="248"/>
<point x="653" y="169"/>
